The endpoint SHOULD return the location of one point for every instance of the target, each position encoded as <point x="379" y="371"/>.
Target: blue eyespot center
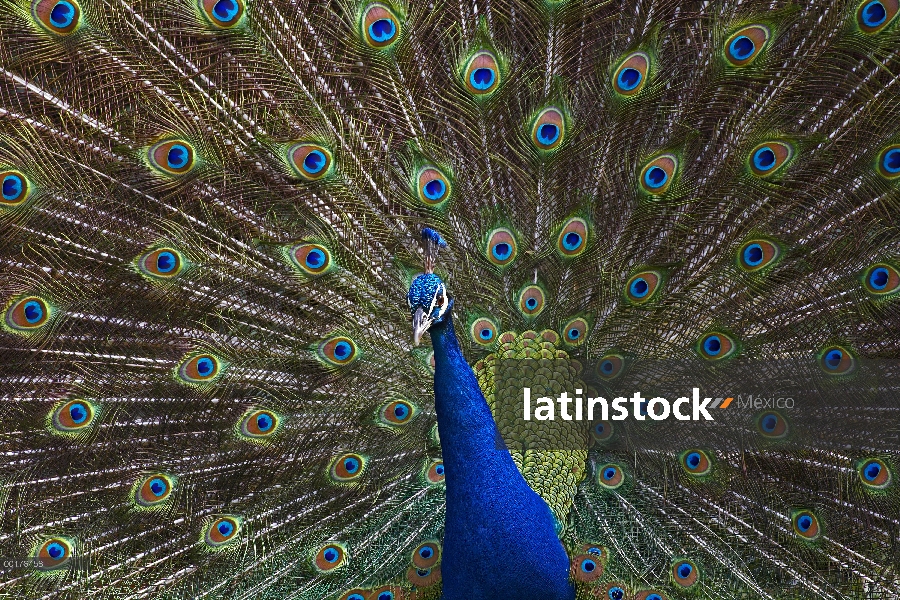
<point x="753" y="255"/>
<point x="874" y="14"/>
<point x="62" y="14"/>
<point x="314" y="162"/>
<point x="330" y="555"/>
<point x="639" y="287"/>
<point x="165" y="262"/>
<point x="501" y="251"/>
<point x="78" y="412"/>
<point x="435" y="189"/>
<point x="742" y="47"/>
<point x="426" y="552"/>
<point x="342" y="350"/>
<point x="609" y="473"/>
<point x="685" y="570"/>
<point x="315" y="258"/>
<point x="833" y="359"/>
<point x="401" y="411"/>
<point x="482" y="78"/>
<point x="225" y="10"/>
<point x="531" y="303"/>
<point x="34" y="312"/>
<point x="486" y="334"/>
<point x="205" y="367"/>
<point x="574" y="334"/>
<point x="599" y="428"/>
<point x="712" y="345"/>
<point x="804" y="523"/>
<point x="693" y="460"/>
<point x="655" y="177"/>
<point x="653" y="597"/>
<point x="355" y="597"/>
<point x="764" y="158"/>
<point x="12" y="187"/>
<point x="158" y="487"/>
<point x="178" y="156"/>
<point x="878" y="279"/>
<point x="386" y="596"/>
<point x="629" y="79"/>
<point x="892" y="161"/>
<point x="769" y="422"/>
<point x="351" y="465"/>
<point x="871" y="471"/>
<point x="264" y="422"/>
<point x="439" y="469"/>
<point x="571" y="241"/>
<point x="55" y="550"/>
<point x="616" y="593"/>
<point x="607" y="367"/>
<point x="225" y="528"/>
<point x="588" y="566"/>
<point x="382" y="30"/>
<point x="547" y="134"/>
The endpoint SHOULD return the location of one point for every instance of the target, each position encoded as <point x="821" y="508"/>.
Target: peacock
<point x="276" y="274"/>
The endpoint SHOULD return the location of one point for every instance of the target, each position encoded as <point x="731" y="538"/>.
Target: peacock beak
<point x="420" y="323"/>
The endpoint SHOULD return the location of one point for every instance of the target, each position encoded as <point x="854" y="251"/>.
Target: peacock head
<point x="428" y="299"/>
<point x="428" y="302"/>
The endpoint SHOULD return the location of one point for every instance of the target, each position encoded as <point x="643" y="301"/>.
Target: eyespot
<point x="483" y="331"/>
<point x="772" y="425"/>
<point x="806" y="524"/>
<point x="572" y="239"/>
<point x="27" y="314"/>
<point x="433" y="187"/>
<point x="757" y="254"/>
<point x="658" y="174"/>
<point x="380" y="26"/>
<point x="716" y="346"/>
<point x="223" y="13"/>
<point x="614" y="591"/>
<point x="642" y="286"/>
<point x="355" y="594"/>
<point x="398" y="412"/>
<point x="631" y="75"/>
<point x="259" y="424"/>
<point x="531" y="300"/>
<point x="424" y="577"/>
<point x="347" y="467"/>
<point x="434" y="474"/>
<point x="311" y="259"/>
<point x="872" y="16"/>
<point x="696" y="462"/>
<point x="222" y="531"/>
<point x="684" y="573"/>
<point x="746" y="44"/>
<point x="610" y="366"/>
<point x="575" y="332"/>
<point x="174" y="157"/>
<point x="770" y="157"/>
<point x="601" y="431"/>
<point x="54" y="553"/>
<point x="650" y="595"/>
<point x="338" y="351"/>
<point x="200" y="368"/>
<point x="881" y="279"/>
<point x="548" y="130"/>
<point x="888" y="161"/>
<point x="587" y="567"/>
<point x="610" y="476"/>
<point x="329" y="557"/>
<point x="15" y="188"/>
<point x="161" y="264"/>
<point x="482" y="74"/>
<point x="311" y="161"/>
<point x="874" y="473"/>
<point x="426" y="554"/>
<point x="72" y="416"/>
<point x="61" y="17"/>
<point x="153" y="490"/>
<point x="836" y="360"/>
<point x="386" y="592"/>
<point x="501" y="247"/>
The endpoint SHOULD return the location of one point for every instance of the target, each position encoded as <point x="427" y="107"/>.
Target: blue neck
<point x="499" y="538"/>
